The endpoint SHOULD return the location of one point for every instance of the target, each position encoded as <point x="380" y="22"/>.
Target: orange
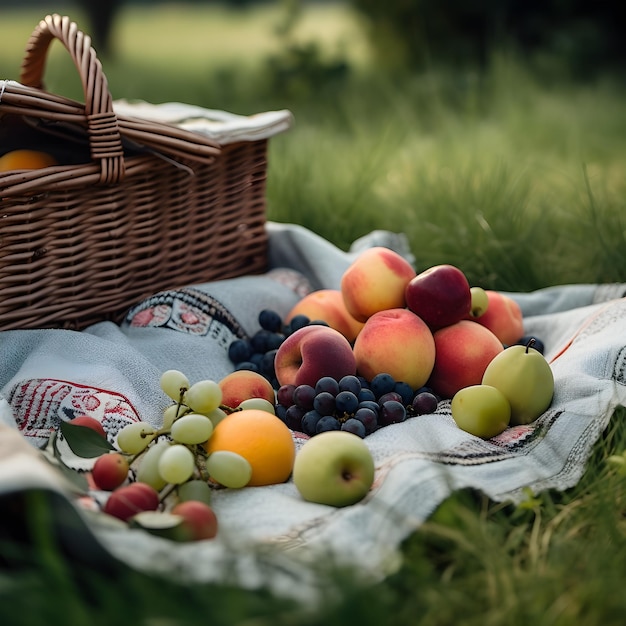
<point x="261" y="438"/>
<point x="25" y="160"/>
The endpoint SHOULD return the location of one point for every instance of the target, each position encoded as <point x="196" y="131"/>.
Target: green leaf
<point x="84" y="441"/>
<point x="76" y="478"/>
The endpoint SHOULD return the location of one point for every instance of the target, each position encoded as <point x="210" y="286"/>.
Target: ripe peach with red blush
<point x="397" y="342"/>
<point x="199" y="519"/>
<point x="311" y="353"/>
<point x="328" y="306"/>
<point x="243" y="385"/>
<point x="463" y="351"/>
<point x="375" y="281"/>
<point x="110" y="471"/>
<point x="503" y="318"/>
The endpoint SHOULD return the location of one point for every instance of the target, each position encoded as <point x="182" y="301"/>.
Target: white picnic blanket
<point x="270" y="537"/>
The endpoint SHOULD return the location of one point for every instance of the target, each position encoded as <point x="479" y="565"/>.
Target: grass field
<point x="516" y="176"/>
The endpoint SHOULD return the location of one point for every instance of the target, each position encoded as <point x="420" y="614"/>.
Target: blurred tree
<point x="101" y="15"/>
<point x="415" y="33"/>
<point x="419" y="32"/>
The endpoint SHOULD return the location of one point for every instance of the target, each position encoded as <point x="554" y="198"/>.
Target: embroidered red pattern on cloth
<point x="40" y="405"/>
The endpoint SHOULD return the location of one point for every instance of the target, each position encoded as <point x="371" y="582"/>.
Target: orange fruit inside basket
<point x="261" y="438"/>
<point x="25" y="160"/>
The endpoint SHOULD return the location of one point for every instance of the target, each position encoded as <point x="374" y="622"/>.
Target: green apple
<point x="481" y="410"/>
<point x="335" y="468"/>
<point x="524" y="376"/>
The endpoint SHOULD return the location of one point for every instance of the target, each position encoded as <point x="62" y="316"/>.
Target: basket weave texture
<point x="134" y="206"/>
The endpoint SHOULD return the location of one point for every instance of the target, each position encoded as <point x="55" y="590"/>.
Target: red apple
<point x="463" y="351"/>
<point x="328" y="306"/>
<point x="395" y="342"/>
<point x="440" y="295"/>
<point x="311" y="353"/>
<point x="503" y="318"/>
<point x="375" y="281"/>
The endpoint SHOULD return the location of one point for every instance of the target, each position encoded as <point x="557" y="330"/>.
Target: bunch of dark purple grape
<point x="352" y="404"/>
<point x="258" y="352"/>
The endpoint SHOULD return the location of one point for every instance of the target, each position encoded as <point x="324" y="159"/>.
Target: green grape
<point x="173" y="383"/>
<point x="216" y="416"/>
<point x="148" y="470"/>
<point x="195" y="490"/>
<point x="134" y="438"/>
<point x="229" y="469"/>
<point x="260" y="404"/>
<point x="192" y="428"/>
<point x="204" y="396"/>
<point x="176" y="464"/>
<point x="170" y="414"/>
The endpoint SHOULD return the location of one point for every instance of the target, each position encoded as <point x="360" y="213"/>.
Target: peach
<point x="463" y="351"/>
<point x="243" y="385"/>
<point x="311" y="353"/>
<point x="503" y="318"/>
<point x="89" y="422"/>
<point x="328" y="306"/>
<point x="395" y="342"/>
<point x="131" y="499"/>
<point x="199" y="519"/>
<point x="110" y="471"/>
<point x="375" y="281"/>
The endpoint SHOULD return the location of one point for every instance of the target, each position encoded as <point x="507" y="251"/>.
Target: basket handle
<point x="105" y="140"/>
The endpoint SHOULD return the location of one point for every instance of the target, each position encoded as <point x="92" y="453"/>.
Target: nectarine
<point x="503" y="318"/>
<point x="395" y="342"/>
<point x="463" y="351"/>
<point x="328" y="306"/>
<point x="375" y="281"/>
<point x="440" y="295"/>
<point x="243" y="385"/>
<point x="311" y="353"/>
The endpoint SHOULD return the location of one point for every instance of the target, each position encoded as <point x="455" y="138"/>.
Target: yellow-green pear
<point x="481" y="410"/>
<point x="524" y="376"/>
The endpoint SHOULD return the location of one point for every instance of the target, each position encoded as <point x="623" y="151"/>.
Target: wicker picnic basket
<point x="133" y="207"/>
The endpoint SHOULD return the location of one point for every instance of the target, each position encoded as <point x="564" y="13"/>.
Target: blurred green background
<point x="494" y="137"/>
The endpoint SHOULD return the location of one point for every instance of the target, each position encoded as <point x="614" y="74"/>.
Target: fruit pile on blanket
<point x="388" y="346"/>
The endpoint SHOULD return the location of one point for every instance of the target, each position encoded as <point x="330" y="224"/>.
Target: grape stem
<point x="166" y="493"/>
<point x="530" y="344"/>
<point x="201" y="464"/>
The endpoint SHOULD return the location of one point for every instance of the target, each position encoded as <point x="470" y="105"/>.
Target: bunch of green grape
<point x="175" y="453"/>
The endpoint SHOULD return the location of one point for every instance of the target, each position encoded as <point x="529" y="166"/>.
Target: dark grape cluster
<point x="351" y="404"/>
<point x="257" y="353"/>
